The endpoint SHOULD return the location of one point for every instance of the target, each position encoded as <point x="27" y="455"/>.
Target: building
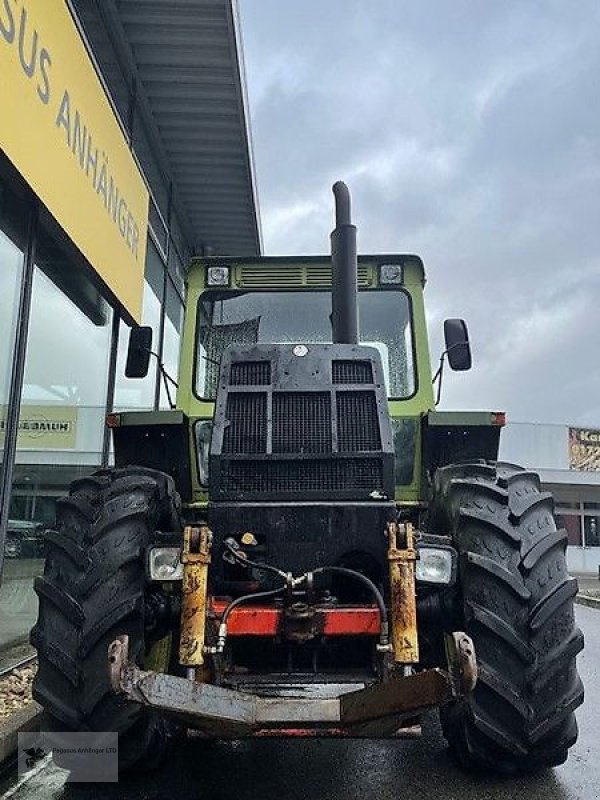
<point x="568" y="462"/>
<point x="124" y="149"/>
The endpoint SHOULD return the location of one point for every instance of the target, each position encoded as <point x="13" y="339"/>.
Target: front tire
<point x="517" y="604"/>
<point x="92" y="590"/>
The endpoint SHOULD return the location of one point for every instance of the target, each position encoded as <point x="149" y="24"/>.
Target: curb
<point x="587" y="600"/>
<point x="27" y="719"/>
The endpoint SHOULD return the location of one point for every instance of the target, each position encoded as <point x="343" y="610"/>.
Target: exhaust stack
<point x="344" y="266"/>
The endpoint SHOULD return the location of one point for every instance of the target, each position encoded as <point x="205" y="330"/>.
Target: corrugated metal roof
<point x="186" y="59"/>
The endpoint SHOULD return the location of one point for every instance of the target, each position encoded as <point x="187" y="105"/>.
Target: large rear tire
<point x="92" y="591"/>
<point x="516" y="601"/>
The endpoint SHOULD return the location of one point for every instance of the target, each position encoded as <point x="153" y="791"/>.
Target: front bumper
<point x="377" y="710"/>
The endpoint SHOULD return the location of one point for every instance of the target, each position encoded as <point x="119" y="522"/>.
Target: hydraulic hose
<point x="345" y="571"/>
<point x="238" y="602"/>
<point x="247" y="562"/>
<point x="246" y="597"/>
<point x="350" y="573"/>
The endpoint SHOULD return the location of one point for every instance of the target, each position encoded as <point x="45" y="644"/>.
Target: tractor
<point x="303" y="545"/>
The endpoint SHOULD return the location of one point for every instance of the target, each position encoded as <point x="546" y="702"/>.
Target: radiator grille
<point x="358" y="425"/>
<point x="262" y="477"/>
<point x="246" y="430"/>
<point x="352" y="372"/>
<point x="250" y="373"/>
<point x="301" y="422"/>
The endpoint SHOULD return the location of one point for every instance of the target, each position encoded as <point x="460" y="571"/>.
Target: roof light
<point x="218" y="276"/>
<point x="391" y="274"/>
<point x="499" y="418"/>
<point x="113" y="420"/>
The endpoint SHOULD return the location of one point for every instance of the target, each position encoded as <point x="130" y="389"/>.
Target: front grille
<point x="246" y="425"/>
<point x="301" y="422"/>
<point x="308" y="475"/>
<point x="358" y="424"/>
<point x="250" y="373"/>
<point x="352" y="372"/>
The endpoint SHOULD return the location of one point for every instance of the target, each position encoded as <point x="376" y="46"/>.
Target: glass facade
<point x="13" y="217"/>
<point x="64" y="386"/>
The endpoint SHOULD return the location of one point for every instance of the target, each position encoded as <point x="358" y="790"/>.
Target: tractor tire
<point x="516" y="601"/>
<point x="92" y="590"/>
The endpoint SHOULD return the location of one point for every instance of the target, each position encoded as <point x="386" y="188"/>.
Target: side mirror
<point x="138" y="352"/>
<point x="458" y="348"/>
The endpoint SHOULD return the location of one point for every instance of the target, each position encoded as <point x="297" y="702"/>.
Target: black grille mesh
<point x="358" y="425"/>
<point x="301" y="422"/>
<point x="352" y="372"/>
<point x="246" y="430"/>
<point x="302" y="476"/>
<point x="250" y="373"/>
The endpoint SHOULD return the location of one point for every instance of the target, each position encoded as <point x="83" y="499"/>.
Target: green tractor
<point x="303" y="545"/>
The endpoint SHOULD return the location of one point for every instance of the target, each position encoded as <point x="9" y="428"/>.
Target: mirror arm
<point x="439" y="376"/>
<point x="166" y="378"/>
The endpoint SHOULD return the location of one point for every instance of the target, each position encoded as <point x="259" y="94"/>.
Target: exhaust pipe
<point x="344" y="266"/>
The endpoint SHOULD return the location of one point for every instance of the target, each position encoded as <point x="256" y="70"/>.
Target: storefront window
<point x="581" y="521"/>
<point x="572" y="524"/>
<point x="61" y="415"/>
<point x="591" y="528"/>
<point x="12" y="244"/>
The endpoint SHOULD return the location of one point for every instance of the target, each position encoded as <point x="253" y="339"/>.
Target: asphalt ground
<point x="341" y="770"/>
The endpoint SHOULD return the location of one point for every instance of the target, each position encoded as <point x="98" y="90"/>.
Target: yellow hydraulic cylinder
<point x="403" y="595"/>
<point x="194" y="594"/>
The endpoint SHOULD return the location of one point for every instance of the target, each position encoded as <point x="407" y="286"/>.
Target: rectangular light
<point x="165" y="564"/>
<point x="435" y="565"/>
<point x="390" y="274"/>
<point x="218" y="276"/>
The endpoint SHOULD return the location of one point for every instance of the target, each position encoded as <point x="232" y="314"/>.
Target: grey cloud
<point x="469" y="133"/>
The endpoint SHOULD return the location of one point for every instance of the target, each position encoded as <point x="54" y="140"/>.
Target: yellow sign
<point x="584" y="449"/>
<point x="59" y="130"/>
<point x="44" y="427"/>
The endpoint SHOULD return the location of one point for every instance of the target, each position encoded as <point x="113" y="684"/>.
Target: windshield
<point x="302" y="317"/>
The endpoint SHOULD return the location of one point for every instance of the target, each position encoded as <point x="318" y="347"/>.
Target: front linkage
<point x="330" y="709"/>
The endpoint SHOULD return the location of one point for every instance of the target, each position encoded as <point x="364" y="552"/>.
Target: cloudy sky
<point x="469" y="133"/>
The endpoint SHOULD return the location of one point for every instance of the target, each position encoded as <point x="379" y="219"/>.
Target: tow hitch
<point x="376" y="710"/>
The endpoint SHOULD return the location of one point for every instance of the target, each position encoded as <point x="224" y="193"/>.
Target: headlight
<point x="165" y="564"/>
<point x="435" y="565"/>
<point x="390" y="274"/>
<point x="218" y="276"/>
<point x="203" y="434"/>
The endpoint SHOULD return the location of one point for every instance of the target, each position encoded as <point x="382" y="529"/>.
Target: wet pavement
<point x="342" y="770"/>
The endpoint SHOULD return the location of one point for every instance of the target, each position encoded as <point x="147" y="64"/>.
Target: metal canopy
<point x="186" y="60"/>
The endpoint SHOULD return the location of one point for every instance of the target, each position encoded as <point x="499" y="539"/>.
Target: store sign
<point x="59" y="130"/>
<point x="584" y="449"/>
<point x="44" y="427"/>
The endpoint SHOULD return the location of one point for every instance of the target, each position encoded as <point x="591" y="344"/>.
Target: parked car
<point x="24" y="539"/>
